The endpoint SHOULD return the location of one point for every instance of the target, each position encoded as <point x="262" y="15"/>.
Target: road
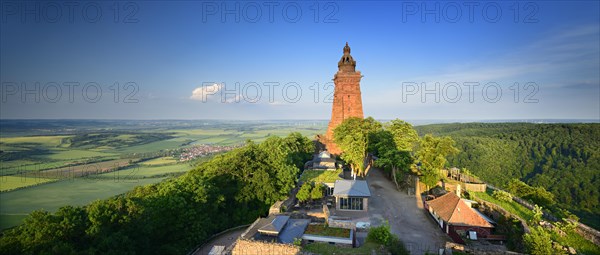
<point x="407" y="218"/>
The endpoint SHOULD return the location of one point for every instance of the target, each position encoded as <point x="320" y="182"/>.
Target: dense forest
<point x="562" y="158"/>
<point x="174" y="216"/>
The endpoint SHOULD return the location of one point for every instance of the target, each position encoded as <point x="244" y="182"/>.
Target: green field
<point x="41" y="165"/>
<point x="15" y="182"/>
<point x="152" y="147"/>
<point x="48" y="141"/>
<point x="80" y="191"/>
<point x="142" y="171"/>
<point x="160" y="161"/>
<point x="69" y="154"/>
<point x="76" y="168"/>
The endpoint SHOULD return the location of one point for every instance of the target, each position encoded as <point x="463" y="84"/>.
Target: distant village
<point x="202" y="150"/>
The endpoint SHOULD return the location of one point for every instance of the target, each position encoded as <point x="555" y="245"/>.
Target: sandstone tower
<point x="347" y="100"/>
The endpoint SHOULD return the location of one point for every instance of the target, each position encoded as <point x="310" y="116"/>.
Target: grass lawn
<point x="323" y="230"/>
<point x="14" y="182"/>
<point x="329" y="249"/>
<point x="321" y="176"/>
<point x="160" y="161"/>
<point x="512" y="206"/>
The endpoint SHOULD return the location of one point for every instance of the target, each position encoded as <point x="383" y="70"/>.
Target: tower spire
<point x="347" y="63"/>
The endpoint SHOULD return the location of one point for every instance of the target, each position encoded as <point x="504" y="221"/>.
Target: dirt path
<point x="405" y="214"/>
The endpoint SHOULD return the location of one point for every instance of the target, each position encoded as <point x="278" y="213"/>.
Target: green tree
<point x="537" y="215"/>
<point x="405" y="136"/>
<point x="431" y="155"/>
<point x="390" y="159"/>
<point x="317" y="191"/>
<point x="304" y="193"/>
<point x="538" y="242"/>
<point x="352" y="136"/>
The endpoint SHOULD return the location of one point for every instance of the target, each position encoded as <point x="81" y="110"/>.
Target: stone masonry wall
<point x="247" y="247"/>
<point x="347" y="102"/>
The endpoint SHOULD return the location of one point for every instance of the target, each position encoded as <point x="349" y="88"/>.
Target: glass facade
<point x="351" y="203"/>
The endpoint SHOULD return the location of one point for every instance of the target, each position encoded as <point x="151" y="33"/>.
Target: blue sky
<point x="182" y="59"/>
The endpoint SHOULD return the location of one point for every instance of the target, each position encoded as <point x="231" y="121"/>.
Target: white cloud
<point x="202" y="93"/>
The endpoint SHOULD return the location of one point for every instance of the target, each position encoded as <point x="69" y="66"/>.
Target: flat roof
<point x="294" y="229"/>
<point x="273" y="224"/>
<point x="351" y="188"/>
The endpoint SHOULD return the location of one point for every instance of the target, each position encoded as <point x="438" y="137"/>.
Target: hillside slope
<point x="562" y="158"/>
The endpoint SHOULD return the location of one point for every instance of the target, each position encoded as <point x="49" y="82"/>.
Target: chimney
<point x="458" y="190"/>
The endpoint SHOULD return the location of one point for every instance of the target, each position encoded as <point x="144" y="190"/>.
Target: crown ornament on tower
<point x="347" y="63"/>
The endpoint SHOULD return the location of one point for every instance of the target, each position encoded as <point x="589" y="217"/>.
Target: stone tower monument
<point x="347" y="100"/>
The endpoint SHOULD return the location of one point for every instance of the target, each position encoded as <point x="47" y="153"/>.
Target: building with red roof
<point x="457" y="218"/>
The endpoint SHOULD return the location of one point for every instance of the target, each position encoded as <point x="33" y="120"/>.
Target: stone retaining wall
<point x="340" y="223"/>
<point x="589" y="233"/>
<point x="465" y="249"/>
<point x="247" y="247"/>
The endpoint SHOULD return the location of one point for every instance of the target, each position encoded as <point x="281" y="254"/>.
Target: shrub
<point x="380" y="234"/>
<point x="538" y="242"/>
<point x="502" y="195"/>
<point x="396" y="246"/>
<point x="297" y="241"/>
<point x="383" y="235"/>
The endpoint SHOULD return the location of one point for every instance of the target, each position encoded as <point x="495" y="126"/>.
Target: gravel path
<point x="405" y="214"/>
